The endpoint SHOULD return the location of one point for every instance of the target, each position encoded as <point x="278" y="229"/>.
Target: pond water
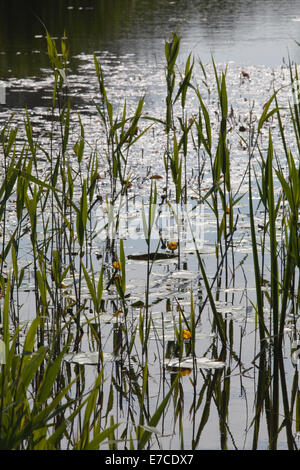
<point x="132" y="33"/>
<point x="128" y="37"/>
<point x="232" y="30"/>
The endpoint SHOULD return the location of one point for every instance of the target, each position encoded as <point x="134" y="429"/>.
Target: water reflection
<point x="254" y="32"/>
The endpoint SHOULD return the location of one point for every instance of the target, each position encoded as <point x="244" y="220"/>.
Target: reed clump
<point x="79" y="296"/>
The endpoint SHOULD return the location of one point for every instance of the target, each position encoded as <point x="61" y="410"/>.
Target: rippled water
<point x="253" y="32"/>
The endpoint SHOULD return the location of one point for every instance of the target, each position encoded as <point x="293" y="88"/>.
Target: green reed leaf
<point x="82" y="215"/>
<point x="146" y="435"/>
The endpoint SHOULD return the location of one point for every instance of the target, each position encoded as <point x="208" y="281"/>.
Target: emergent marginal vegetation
<point x="44" y="406"/>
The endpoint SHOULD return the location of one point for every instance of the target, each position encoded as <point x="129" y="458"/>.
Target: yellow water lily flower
<point x="117" y="265"/>
<point x="172" y="246"/>
<point x="186" y="334"/>
<point x="184" y="372"/>
<point x="118" y="313"/>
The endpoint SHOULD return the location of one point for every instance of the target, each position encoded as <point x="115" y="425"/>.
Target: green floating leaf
<point x="138" y="304"/>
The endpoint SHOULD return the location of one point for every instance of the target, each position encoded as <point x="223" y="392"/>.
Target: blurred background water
<point x="247" y="32"/>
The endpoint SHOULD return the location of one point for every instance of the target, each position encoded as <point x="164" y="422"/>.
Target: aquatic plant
<point x="110" y="361"/>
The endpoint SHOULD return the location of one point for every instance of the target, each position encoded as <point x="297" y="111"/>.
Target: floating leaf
<point x="189" y="362"/>
<point x="156" y="177"/>
<point x="138" y="304"/>
<point x="152" y="256"/>
<point x="184" y="275"/>
<point x="89" y="358"/>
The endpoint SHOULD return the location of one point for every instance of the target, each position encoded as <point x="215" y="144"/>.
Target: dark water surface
<point x="248" y="32"/>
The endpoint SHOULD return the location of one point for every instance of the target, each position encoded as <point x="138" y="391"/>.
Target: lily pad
<point x="156" y="177"/>
<point x="152" y="256"/>
<point x="184" y="275"/>
<point x="189" y="362"/>
<point x="94" y="318"/>
<point x="138" y="304"/>
<point x="88" y="358"/>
